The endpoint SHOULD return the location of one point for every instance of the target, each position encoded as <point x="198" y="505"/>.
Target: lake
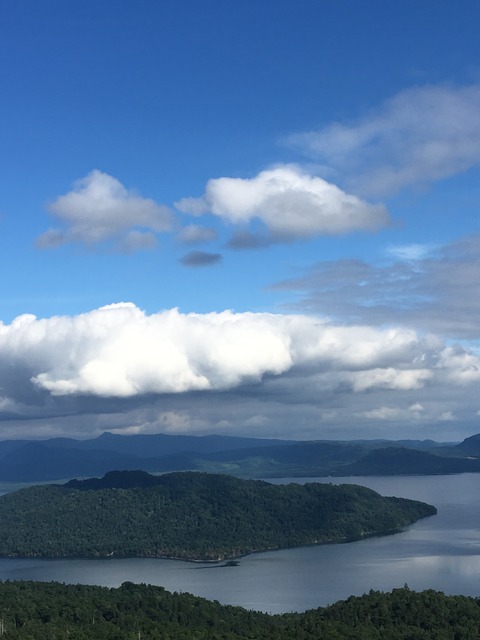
<point x="441" y="552"/>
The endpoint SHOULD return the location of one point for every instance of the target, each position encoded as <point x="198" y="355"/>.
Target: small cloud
<point x="247" y="240"/>
<point x="447" y="416"/>
<point x="410" y="252"/>
<point x="291" y="205"/>
<point x="390" y="378"/>
<point x="382" y="413"/>
<point x="6" y="404"/>
<point x="416" y="407"/>
<point x="193" y="206"/>
<point x="386" y="413"/>
<point x="100" y="209"/>
<point x="195" y="234"/>
<point x="256" y="421"/>
<point x="51" y="239"/>
<point x="200" y="259"/>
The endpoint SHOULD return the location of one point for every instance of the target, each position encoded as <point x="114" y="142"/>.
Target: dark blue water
<point x="441" y="552"/>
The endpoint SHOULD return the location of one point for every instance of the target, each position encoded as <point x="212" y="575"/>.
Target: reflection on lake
<point x="441" y="552"/>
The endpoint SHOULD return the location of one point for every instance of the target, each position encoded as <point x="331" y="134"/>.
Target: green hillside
<point x="195" y="516"/>
<point x="50" y="611"/>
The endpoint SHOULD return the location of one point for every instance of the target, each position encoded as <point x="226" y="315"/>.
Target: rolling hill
<point x="191" y="515"/>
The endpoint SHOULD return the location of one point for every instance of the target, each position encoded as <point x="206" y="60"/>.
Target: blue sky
<point x="240" y="217"/>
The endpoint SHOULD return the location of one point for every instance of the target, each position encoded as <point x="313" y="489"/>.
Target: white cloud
<point x="256" y="421"/>
<point x="416" y="407"/>
<point x="447" y="416"/>
<point x="6" y="404"/>
<point x="410" y="252"/>
<point x="413" y="412"/>
<point x="390" y="378"/>
<point x="290" y="203"/>
<point x="383" y="413"/>
<point x="100" y="209"/>
<point x="193" y="371"/>
<point x="420" y="135"/>
<point x="459" y="366"/>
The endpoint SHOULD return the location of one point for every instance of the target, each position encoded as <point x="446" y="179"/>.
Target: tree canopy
<point x="195" y="516"/>
<point x="50" y="611"/>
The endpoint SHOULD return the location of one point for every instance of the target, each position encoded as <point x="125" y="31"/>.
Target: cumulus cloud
<point x="100" y="209"/>
<point x="434" y="289"/>
<point x="407" y="414"/>
<point x="195" y="234"/>
<point x="195" y="369"/>
<point x="421" y="135"/>
<point x="384" y="413"/>
<point x="289" y="203"/>
<point x="390" y="378"/>
<point x="200" y="259"/>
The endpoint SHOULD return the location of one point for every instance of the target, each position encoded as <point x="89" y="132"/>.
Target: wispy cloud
<point x="195" y="234"/>
<point x="289" y="203"/>
<point x="100" y="209"/>
<point x="421" y="135"/>
<point x="244" y="239"/>
<point x="410" y="252"/>
<point x="435" y="290"/>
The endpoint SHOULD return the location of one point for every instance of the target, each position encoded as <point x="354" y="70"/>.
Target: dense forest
<point x="195" y="516"/>
<point x="52" y="611"/>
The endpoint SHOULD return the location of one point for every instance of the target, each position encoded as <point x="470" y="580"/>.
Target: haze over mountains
<point x="64" y="458"/>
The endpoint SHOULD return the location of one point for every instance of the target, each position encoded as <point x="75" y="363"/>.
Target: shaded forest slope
<point x="191" y="515"/>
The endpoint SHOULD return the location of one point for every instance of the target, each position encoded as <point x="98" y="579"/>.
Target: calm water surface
<point x="441" y="552"/>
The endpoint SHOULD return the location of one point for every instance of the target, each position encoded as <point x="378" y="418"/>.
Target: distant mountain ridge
<point x="470" y="446"/>
<point x="65" y="458"/>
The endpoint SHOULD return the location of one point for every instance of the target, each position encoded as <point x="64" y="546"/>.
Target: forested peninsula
<point x="48" y="611"/>
<point x="191" y="516"/>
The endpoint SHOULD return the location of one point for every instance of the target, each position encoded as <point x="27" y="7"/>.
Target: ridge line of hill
<point x="64" y="458"/>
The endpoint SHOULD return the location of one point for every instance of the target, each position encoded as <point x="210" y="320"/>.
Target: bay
<point x="441" y="552"/>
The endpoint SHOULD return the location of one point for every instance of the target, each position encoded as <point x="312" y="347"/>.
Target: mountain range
<point x="65" y="458"/>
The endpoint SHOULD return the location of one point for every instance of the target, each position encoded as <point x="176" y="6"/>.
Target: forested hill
<point x="195" y="516"/>
<point x="48" y="611"/>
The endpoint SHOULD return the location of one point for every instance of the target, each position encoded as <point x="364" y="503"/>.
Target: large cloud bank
<point x="119" y="352"/>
